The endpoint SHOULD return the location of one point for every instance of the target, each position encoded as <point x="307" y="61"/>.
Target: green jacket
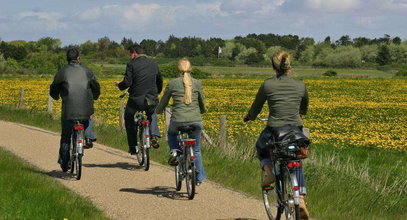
<point x="182" y="112"/>
<point x="287" y="98"/>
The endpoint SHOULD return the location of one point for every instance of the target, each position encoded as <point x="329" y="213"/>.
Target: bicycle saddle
<point x="289" y="134"/>
<point x="186" y="129"/>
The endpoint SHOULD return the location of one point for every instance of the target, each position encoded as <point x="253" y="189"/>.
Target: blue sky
<point x="77" y="21"/>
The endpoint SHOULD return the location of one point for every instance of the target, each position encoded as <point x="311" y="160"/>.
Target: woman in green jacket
<point x="287" y="99"/>
<point x="188" y="105"/>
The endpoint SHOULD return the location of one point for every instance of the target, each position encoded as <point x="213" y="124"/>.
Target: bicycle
<point x="285" y="196"/>
<point x="76" y="148"/>
<point x="186" y="161"/>
<point x="143" y="140"/>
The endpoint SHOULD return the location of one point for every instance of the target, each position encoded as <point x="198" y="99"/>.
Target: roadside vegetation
<point x="27" y="193"/>
<point x="351" y="183"/>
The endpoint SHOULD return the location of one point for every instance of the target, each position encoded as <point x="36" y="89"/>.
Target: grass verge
<point x="27" y="193"/>
<point x="353" y="183"/>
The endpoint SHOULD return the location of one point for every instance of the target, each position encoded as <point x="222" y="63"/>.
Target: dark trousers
<point x="66" y="126"/>
<point x="131" y="128"/>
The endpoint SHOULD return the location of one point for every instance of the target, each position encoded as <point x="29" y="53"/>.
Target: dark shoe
<point x="173" y="158"/>
<point x="66" y="167"/>
<point x="304" y="214"/>
<point x="88" y="144"/>
<point x="154" y="142"/>
<point x="268" y="177"/>
<point x="133" y="150"/>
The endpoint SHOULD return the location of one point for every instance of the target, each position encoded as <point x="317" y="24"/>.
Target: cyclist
<point x="78" y="87"/>
<point x="288" y="103"/>
<point x="144" y="80"/>
<point x="188" y="105"/>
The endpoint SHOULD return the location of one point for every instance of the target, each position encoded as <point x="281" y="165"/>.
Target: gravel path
<point x="113" y="181"/>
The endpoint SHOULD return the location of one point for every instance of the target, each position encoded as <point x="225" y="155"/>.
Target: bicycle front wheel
<point x="190" y="174"/>
<point x="271" y="200"/>
<point x="271" y="203"/>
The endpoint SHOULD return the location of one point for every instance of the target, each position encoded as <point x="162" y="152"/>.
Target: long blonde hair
<point x="282" y="62"/>
<point x="185" y="68"/>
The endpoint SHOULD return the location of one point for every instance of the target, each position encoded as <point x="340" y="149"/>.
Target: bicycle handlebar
<point x="262" y="119"/>
<point x="124" y="94"/>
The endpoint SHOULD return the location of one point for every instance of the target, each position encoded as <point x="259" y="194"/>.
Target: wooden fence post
<point x="167" y="114"/>
<point x="51" y="110"/>
<point x="223" y="132"/>
<point x="21" y="103"/>
<point x="121" y="115"/>
<point x="306" y="131"/>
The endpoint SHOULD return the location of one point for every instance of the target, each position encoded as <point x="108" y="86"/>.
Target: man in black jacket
<point x="144" y="80"/>
<point x="78" y="87"/>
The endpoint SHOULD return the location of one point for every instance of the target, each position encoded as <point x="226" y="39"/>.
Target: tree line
<point x="46" y="55"/>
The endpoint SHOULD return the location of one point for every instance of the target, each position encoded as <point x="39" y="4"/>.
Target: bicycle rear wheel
<point x="190" y="174"/>
<point x="72" y="149"/>
<point x="140" y="145"/>
<point x="146" y="155"/>
<point x="178" y="177"/>
<point x="292" y="211"/>
<point x="79" y="167"/>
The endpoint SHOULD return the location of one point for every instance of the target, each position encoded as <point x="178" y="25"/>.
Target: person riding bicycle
<point x="188" y="105"/>
<point x="144" y="80"/>
<point x="288" y="103"/>
<point x="78" y="87"/>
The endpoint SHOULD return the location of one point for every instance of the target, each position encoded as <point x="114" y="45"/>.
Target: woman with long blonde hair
<point x="188" y="105"/>
<point x="287" y="99"/>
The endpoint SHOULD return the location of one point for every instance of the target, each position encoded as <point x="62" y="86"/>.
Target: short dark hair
<point x="72" y="54"/>
<point x="136" y="48"/>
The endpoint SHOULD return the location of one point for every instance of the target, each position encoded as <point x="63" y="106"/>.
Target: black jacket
<point x="77" y="87"/>
<point x="144" y="80"/>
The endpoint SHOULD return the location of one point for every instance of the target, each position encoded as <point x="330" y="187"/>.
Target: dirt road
<point x="112" y="180"/>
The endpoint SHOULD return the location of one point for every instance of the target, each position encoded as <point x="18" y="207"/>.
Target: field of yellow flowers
<point x="342" y="112"/>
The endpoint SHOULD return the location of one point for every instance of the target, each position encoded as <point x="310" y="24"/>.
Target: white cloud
<point x="333" y="5"/>
<point x="89" y="15"/>
<point x="37" y="21"/>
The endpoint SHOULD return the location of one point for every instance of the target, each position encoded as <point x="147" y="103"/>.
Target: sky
<point x="76" y="21"/>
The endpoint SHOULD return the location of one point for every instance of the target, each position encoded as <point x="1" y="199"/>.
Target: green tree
<point x="396" y="40"/>
<point x="149" y="46"/>
<point x="383" y="56"/>
<point x="104" y="43"/>
<point x="51" y="43"/>
<point x="369" y="53"/>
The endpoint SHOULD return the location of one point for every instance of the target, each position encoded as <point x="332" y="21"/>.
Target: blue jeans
<point x="196" y="134"/>
<point x="263" y="153"/>
<point x="66" y="134"/>
<point x="89" y="132"/>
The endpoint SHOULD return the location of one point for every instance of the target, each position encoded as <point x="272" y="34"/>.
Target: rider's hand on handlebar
<point x="117" y="83"/>
<point x="246" y="118"/>
<point x="302" y="116"/>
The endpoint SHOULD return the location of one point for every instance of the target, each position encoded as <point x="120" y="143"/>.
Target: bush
<point x="330" y="73"/>
<point x="171" y="71"/>
<point x="402" y="72"/>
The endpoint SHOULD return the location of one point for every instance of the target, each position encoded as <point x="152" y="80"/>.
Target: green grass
<point x="307" y="72"/>
<point x="353" y="183"/>
<point x="27" y="193"/>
